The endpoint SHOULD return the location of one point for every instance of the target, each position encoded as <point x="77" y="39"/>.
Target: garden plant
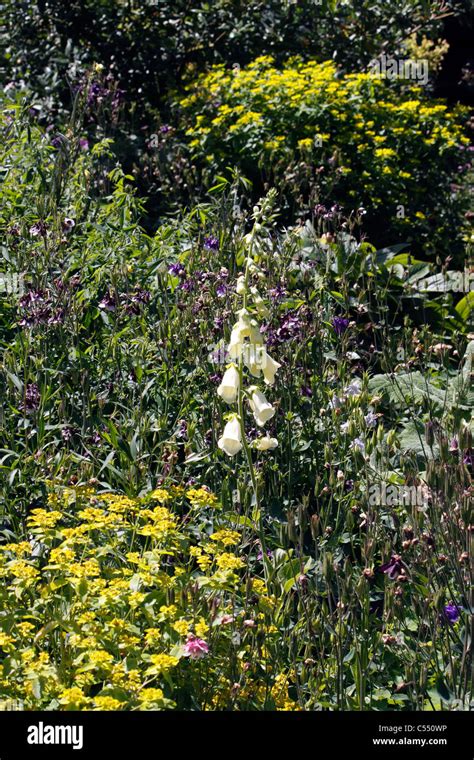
<point x="236" y="360"/>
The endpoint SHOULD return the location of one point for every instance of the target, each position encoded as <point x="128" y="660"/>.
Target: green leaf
<point x="465" y="306"/>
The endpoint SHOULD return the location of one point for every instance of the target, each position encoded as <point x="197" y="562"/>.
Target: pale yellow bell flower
<point x="231" y="440"/>
<point x="230" y="384"/>
<point x="261" y="408"/>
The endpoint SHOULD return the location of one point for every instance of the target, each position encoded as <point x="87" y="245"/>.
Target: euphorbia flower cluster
<point x="246" y="349"/>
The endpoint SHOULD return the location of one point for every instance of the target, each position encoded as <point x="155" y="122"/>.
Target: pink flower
<point x="195" y="648"/>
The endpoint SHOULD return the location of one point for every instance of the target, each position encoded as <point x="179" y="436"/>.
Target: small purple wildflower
<point x="133" y="301"/>
<point x="371" y="419"/>
<point x="32" y="398"/>
<point x="320" y="210"/>
<point x="451" y="613"/>
<point x="358" y="445"/>
<point x="177" y="270"/>
<point x="187" y="285"/>
<point x="340" y="325"/>
<point x="211" y="243"/>
<point x="278" y="293"/>
<point x="58" y="141"/>
<point x="38" y="228"/>
<point x="290" y="327"/>
<point x="268" y="553"/>
<point x="67" y="434"/>
<point x="108" y="303"/>
<point x="182" y="429"/>
<point x="394" y="568"/>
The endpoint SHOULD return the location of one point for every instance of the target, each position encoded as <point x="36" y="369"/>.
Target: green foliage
<point x="142" y="566"/>
<point x="150" y="44"/>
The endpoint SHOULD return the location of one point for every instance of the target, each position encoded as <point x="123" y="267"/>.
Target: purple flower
<point x="108" y="302"/>
<point x="95" y="93"/>
<point x="290" y="327"/>
<point x="57" y="317"/>
<point x="306" y="391"/>
<point x="32" y="398"/>
<point x="67" y="433"/>
<point x="320" y="210"/>
<point x="371" y="419"/>
<point x="182" y="429"/>
<point x="177" y="270"/>
<point x="271" y="336"/>
<point x="68" y="224"/>
<point x="32" y="297"/>
<point x="58" y="141"/>
<point x="354" y="388"/>
<point x="84" y="144"/>
<point x="221" y="290"/>
<point x="187" y="285"/>
<point x="394" y="567"/>
<point x="268" y="553"/>
<point x="340" y="325"/>
<point x="451" y="613"/>
<point x="278" y="293"/>
<point x="211" y="243"/>
<point x="132" y="302"/>
<point x="38" y="228"/>
<point x="358" y="445"/>
<point x="38" y="308"/>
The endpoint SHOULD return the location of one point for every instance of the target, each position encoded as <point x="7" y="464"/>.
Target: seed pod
<point x="429" y="433"/>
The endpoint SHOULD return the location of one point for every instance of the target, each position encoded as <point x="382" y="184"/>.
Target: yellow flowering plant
<point x="324" y="136"/>
<point x="109" y="606"/>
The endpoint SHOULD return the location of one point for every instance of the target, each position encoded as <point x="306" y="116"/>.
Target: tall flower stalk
<point x="249" y="356"/>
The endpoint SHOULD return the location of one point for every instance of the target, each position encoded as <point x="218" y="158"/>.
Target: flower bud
<point x="265" y="443"/>
<point x="241" y="287"/>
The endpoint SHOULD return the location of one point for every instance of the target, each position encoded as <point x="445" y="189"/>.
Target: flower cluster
<point x="96" y="611"/>
<point x="315" y="132"/>
<point x="247" y="349"/>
